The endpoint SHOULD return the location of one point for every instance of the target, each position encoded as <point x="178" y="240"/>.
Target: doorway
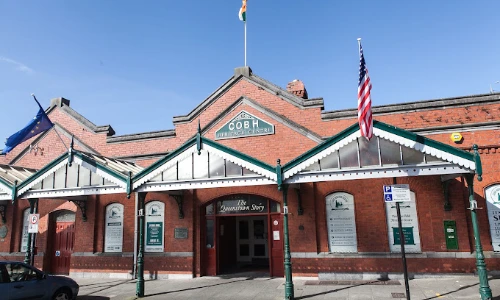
<point x="61" y="242"/>
<point x="243" y="233"/>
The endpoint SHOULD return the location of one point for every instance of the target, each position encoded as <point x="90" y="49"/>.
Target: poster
<point x="409" y="221"/>
<point x="113" y="239"/>
<point x="341" y="223"/>
<point x="154" y="226"/>
<point x="493" y="205"/>
<point x="24" y="239"/>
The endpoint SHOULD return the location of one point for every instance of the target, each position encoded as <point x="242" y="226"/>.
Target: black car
<point x="21" y="281"/>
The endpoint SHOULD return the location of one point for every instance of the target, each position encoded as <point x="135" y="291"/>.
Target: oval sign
<point x="275" y="222"/>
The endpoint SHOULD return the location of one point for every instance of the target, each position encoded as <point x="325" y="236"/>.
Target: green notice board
<point x="450" y="235"/>
<point x="408" y="234"/>
<point x="154" y="233"/>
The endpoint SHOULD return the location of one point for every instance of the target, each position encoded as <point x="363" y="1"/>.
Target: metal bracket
<point x="82" y="204"/>
<point x="446" y="191"/>
<point x="179" y="200"/>
<point x="300" y="210"/>
<point x="3" y="209"/>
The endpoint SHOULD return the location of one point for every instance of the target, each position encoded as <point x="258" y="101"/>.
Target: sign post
<point x="399" y="193"/>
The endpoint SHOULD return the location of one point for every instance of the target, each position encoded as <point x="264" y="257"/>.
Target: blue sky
<point x="136" y="64"/>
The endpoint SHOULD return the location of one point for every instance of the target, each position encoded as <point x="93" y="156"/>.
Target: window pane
<point x="313" y="167"/>
<point x="216" y="166"/>
<point x="210" y="234"/>
<point x="389" y="152"/>
<point x="275" y="207"/>
<point x="209" y="209"/>
<point x="201" y="164"/>
<point x="244" y="250"/>
<point x="412" y="156"/>
<point x="243" y="230"/>
<point x="330" y="162"/>
<point x="18" y="272"/>
<point x="186" y="168"/>
<point x="232" y="169"/>
<point x="349" y="155"/>
<point x="170" y="173"/>
<point x="368" y="152"/>
<point x="248" y="172"/>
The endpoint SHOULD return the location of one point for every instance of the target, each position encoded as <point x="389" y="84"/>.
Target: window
<point x="341" y="223"/>
<point x="113" y="236"/>
<point x="18" y="272"/>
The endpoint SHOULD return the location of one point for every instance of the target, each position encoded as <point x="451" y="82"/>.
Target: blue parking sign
<point x="388" y="197"/>
<point x="387" y="189"/>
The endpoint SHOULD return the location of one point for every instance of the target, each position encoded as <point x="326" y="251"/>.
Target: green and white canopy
<point x="9" y="175"/>
<point x="392" y="152"/>
<point x="202" y="163"/>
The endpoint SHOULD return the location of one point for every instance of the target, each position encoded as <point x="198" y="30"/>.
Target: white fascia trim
<point x="100" y="172"/>
<point x="425" y="149"/>
<point x="204" y="183"/>
<point x="5" y="189"/>
<point x="240" y="162"/>
<point x="321" y="155"/>
<point x="42" y="177"/>
<point x="78" y="191"/>
<point x="165" y="166"/>
<point x="400" y="171"/>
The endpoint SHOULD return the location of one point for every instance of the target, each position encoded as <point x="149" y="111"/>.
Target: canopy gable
<point x="392" y="150"/>
<point x="10" y="176"/>
<point x="79" y="173"/>
<point x="201" y="163"/>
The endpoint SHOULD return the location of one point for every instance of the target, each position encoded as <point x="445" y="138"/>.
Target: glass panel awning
<point x="9" y="175"/>
<point x="391" y="152"/>
<point x="202" y="163"/>
<point x="78" y="173"/>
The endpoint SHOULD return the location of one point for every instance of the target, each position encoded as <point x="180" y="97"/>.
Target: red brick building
<point x="211" y="188"/>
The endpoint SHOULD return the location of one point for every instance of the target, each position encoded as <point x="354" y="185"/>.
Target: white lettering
<point x="255" y="123"/>
<point x="246" y="124"/>
<point x="239" y="125"/>
<point x="231" y="126"/>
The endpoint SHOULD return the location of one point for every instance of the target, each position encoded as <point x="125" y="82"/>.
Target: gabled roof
<point x="245" y="73"/>
<point x="79" y="173"/>
<point x="464" y="161"/>
<point x="264" y="173"/>
<point x="9" y="175"/>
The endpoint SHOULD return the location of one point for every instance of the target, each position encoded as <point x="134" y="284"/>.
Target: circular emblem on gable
<point x="3" y="231"/>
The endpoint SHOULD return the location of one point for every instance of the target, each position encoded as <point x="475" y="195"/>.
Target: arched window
<point x="113" y="238"/>
<point x="154" y="226"/>
<point x="493" y="204"/>
<point x="409" y="222"/>
<point x="24" y="231"/>
<point x="341" y="223"/>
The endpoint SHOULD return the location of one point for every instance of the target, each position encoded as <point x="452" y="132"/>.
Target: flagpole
<point x="245" y="42"/>
<point x="359" y="46"/>
<point x="33" y="95"/>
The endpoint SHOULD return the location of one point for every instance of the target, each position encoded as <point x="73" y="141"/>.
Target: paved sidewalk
<point x="248" y="287"/>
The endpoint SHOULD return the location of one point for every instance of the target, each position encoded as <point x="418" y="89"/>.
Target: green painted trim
<point x="14" y="192"/>
<point x="382" y="126"/>
<point x="129" y="184"/>
<point x="239" y="154"/>
<point x="279" y="175"/>
<point x="6" y="183"/>
<point x="165" y="159"/>
<point x="101" y="167"/>
<point x="423" y="140"/>
<point x="477" y="160"/>
<point x="43" y="170"/>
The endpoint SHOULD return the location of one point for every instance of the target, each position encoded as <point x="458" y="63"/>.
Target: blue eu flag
<point x="40" y="123"/>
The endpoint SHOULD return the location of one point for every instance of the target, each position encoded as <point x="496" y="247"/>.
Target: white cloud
<point x="19" y="66"/>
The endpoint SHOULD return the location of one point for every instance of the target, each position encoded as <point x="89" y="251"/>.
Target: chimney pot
<point x="297" y="88"/>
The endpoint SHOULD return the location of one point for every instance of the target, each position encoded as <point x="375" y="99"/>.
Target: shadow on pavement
<point x="200" y="287"/>
<point x="100" y="283"/>
<point x="108" y="285"/>
<point x="333" y="291"/>
<point x="92" y="298"/>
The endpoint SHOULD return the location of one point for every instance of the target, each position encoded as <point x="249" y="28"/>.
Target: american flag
<point x="364" y="98"/>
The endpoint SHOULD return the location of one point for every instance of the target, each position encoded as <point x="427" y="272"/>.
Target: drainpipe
<point x="134" y="270"/>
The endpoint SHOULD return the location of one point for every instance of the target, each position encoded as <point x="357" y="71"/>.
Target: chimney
<point x="297" y="88"/>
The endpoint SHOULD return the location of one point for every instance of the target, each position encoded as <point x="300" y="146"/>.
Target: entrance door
<point x="276" y="242"/>
<point x="64" y="239"/>
<point x="226" y="245"/>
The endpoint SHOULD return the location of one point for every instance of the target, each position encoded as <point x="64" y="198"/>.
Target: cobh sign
<point x="244" y="124"/>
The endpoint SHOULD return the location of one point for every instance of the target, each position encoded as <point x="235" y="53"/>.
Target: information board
<point x="154" y="226"/>
<point x="341" y="223"/>
<point x="493" y="205"/>
<point x="113" y="239"/>
<point x="409" y="221"/>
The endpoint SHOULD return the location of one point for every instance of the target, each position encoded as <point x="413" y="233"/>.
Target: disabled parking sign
<point x="397" y="193"/>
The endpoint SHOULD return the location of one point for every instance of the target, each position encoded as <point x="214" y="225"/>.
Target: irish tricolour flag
<point x="243" y="11"/>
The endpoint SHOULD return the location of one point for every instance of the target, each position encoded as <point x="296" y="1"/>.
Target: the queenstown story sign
<point x="243" y="125"/>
